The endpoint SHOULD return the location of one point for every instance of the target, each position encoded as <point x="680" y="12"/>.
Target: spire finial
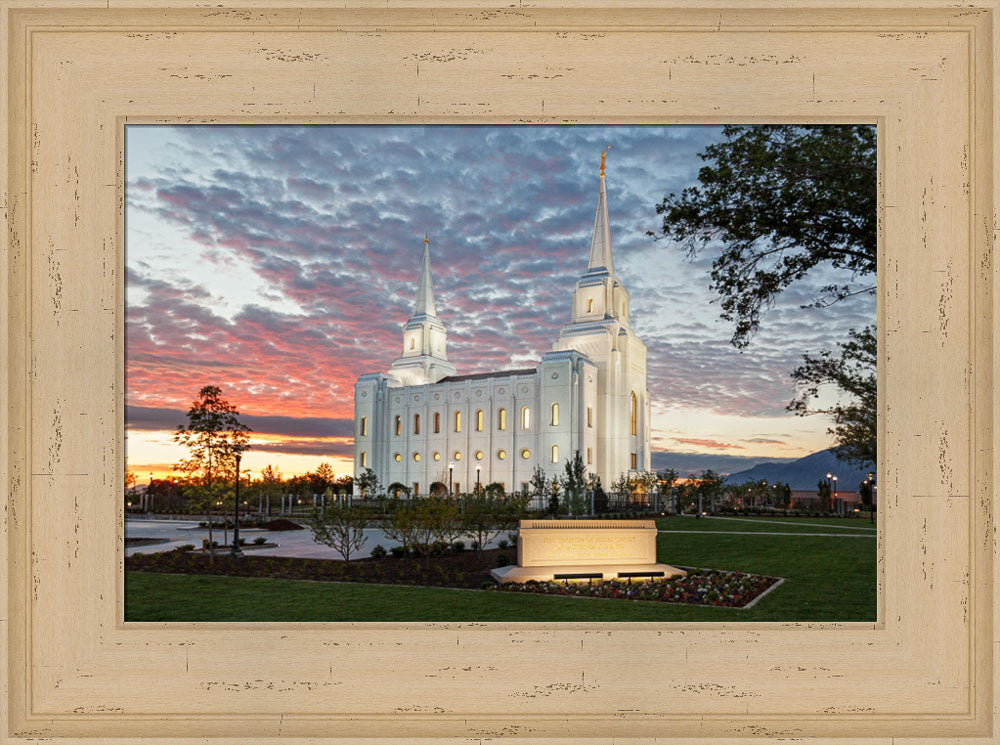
<point x="604" y="160"/>
<point x="427" y="238"/>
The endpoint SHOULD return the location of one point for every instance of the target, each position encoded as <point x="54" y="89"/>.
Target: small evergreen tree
<point x="574" y="483"/>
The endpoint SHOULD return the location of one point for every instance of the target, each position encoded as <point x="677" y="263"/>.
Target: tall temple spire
<point x="600" y="244"/>
<point x="425" y="339"/>
<point x="425" y="291"/>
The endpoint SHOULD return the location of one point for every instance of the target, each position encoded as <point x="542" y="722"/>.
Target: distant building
<point x="423" y="426"/>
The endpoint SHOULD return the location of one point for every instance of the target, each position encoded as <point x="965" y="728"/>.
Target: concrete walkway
<point x="297" y="543"/>
<point x="771" y="521"/>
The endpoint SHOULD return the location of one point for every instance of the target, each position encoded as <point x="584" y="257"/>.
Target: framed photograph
<point x="84" y="78"/>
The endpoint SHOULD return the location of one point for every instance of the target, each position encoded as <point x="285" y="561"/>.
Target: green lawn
<point x="827" y="579"/>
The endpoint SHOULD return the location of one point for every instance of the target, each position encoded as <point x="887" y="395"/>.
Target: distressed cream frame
<point x="78" y="70"/>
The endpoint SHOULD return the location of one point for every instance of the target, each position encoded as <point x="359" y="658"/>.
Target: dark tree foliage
<point x="781" y="200"/>
<point x="853" y="373"/>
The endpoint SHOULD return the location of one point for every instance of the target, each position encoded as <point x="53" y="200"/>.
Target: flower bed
<point x="699" y="587"/>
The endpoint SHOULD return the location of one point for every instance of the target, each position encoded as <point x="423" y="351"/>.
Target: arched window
<point x="413" y="342"/>
<point x="525" y="417"/>
<point x="458" y="421"/>
<point x="633" y="417"/>
<point x="437" y="422"/>
<point x="555" y="453"/>
<point x="364" y="426"/>
<point x="555" y="415"/>
<point x="590" y="305"/>
<point x="479" y="420"/>
<point x="364" y="459"/>
<point x="399" y="425"/>
<point x="502" y="419"/>
<point x="416" y="424"/>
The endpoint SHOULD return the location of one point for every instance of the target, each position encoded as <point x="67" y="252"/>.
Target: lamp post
<point x="451" y="478"/>
<point x="236" y="509"/>
<point x="149" y="494"/>
<point x="478" y="469"/>
<point x="834" y="490"/>
<point x="829" y="488"/>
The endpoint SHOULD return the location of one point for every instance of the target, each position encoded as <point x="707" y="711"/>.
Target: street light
<point x="236" y="510"/>
<point x="451" y="479"/>
<point x="830" y="478"/>
<point x="478" y="468"/>
<point x="149" y="494"/>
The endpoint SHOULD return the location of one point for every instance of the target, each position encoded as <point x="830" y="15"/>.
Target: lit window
<point x="501" y="454"/>
<point x="555" y="415"/>
<point x="416" y="457"/>
<point x="364" y="426"/>
<point x="525" y="417"/>
<point x="399" y="425"/>
<point x="555" y="453"/>
<point x="634" y="409"/>
<point x="502" y="419"/>
<point x="364" y="459"/>
<point x="437" y="455"/>
<point x="590" y="305"/>
<point x="633" y="461"/>
<point x="397" y="457"/>
<point x="526" y="453"/>
<point x="458" y="455"/>
<point x="416" y="424"/>
<point x="416" y="488"/>
<point x="479" y="420"/>
<point x="437" y="422"/>
<point x="458" y="421"/>
<point x="590" y="456"/>
<point x="590" y="417"/>
<point x="479" y="455"/>
<point x="412" y="343"/>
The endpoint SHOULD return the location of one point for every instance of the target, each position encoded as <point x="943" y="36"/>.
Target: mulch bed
<point x="282" y="524"/>
<point x="699" y="587"/>
<point x="466" y="569"/>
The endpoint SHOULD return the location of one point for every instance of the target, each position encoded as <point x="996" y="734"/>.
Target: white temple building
<point x="423" y="426"/>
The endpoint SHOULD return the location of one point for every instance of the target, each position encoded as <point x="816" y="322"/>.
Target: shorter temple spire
<point x="600" y="244"/>
<point x="425" y="291"/>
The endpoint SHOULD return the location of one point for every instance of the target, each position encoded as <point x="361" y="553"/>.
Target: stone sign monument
<point x="585" y="550"/>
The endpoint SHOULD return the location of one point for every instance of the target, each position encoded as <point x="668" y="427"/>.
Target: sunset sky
<point x="280" y="263"/>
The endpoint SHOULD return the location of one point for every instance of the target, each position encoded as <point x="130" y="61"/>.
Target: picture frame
<point x="78" y="71"/>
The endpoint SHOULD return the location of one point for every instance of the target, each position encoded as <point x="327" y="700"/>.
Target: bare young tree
<point x="340" y="527"/>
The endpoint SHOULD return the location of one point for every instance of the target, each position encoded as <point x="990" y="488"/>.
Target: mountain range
<point x="802" y="474"/>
